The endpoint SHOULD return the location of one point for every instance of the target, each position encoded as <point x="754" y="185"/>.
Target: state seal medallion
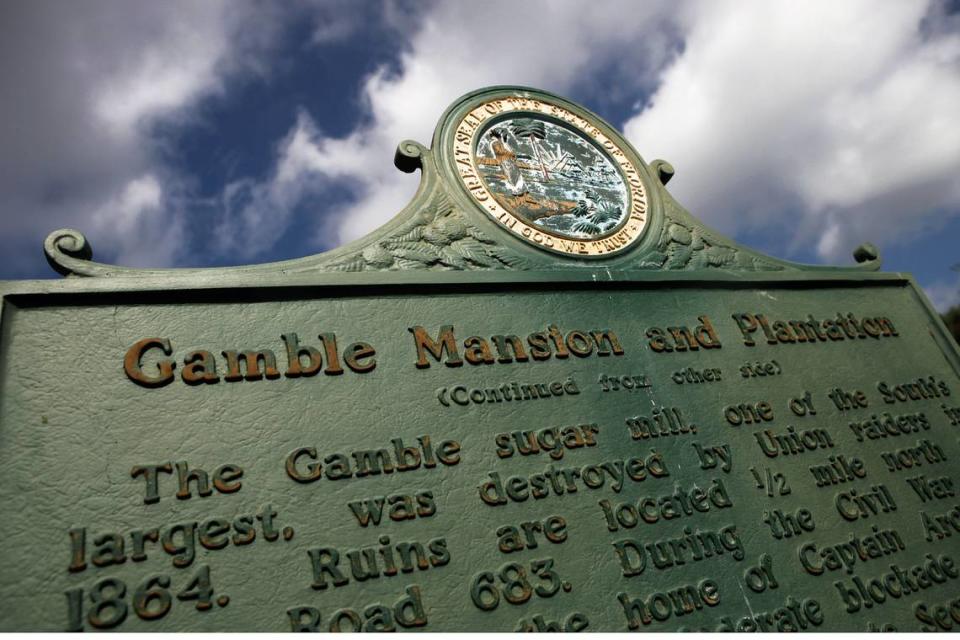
<point x="550" y="176"/>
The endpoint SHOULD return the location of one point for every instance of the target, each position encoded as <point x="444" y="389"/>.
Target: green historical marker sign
<point x="542" y="397"/>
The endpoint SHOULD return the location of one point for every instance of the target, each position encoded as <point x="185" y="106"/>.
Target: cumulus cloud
<point x="454" y="48"/>
<point x="84" y="85"/>
<point x="142" y="226"/>
<point x="826" y="126"/>
<point x="823" y="127"/>
<point x="263" y="209"/>
<point x="944" y="294"/>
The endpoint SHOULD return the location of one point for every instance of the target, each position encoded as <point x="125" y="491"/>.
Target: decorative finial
<point x="66" y="246"/>
<point x="409" y="156"/>
<point x="663" y="169"/>
<point x="867" y="254"/>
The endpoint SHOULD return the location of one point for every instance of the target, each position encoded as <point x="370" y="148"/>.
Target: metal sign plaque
<point x="450" y="425"/>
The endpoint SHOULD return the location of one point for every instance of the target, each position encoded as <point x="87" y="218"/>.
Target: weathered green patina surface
<point x="483" y="418"/>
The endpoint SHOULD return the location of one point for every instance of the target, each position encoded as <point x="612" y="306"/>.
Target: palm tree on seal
<point x="532" y="130"/>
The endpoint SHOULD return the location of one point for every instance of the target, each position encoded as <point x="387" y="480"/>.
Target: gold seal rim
<point x="483" y="115"/>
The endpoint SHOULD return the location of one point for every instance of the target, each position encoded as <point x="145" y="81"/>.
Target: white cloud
<point x="826" y="124"/>
<point x="944" y="294"/>
<point x="264" y="209"/>
<point x="138" y="198"/>
<point x="830" y="124"/>
<point x="84" y="84"/>
<point x="163" y="75"/>
<point x="141" y="226"/>
<point x="456" y="48"/>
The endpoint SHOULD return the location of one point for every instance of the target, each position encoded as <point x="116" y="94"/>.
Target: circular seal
<point x="550" y="176"/>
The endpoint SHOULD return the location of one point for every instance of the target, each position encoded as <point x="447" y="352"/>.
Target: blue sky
<point x="217" y="133"/>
